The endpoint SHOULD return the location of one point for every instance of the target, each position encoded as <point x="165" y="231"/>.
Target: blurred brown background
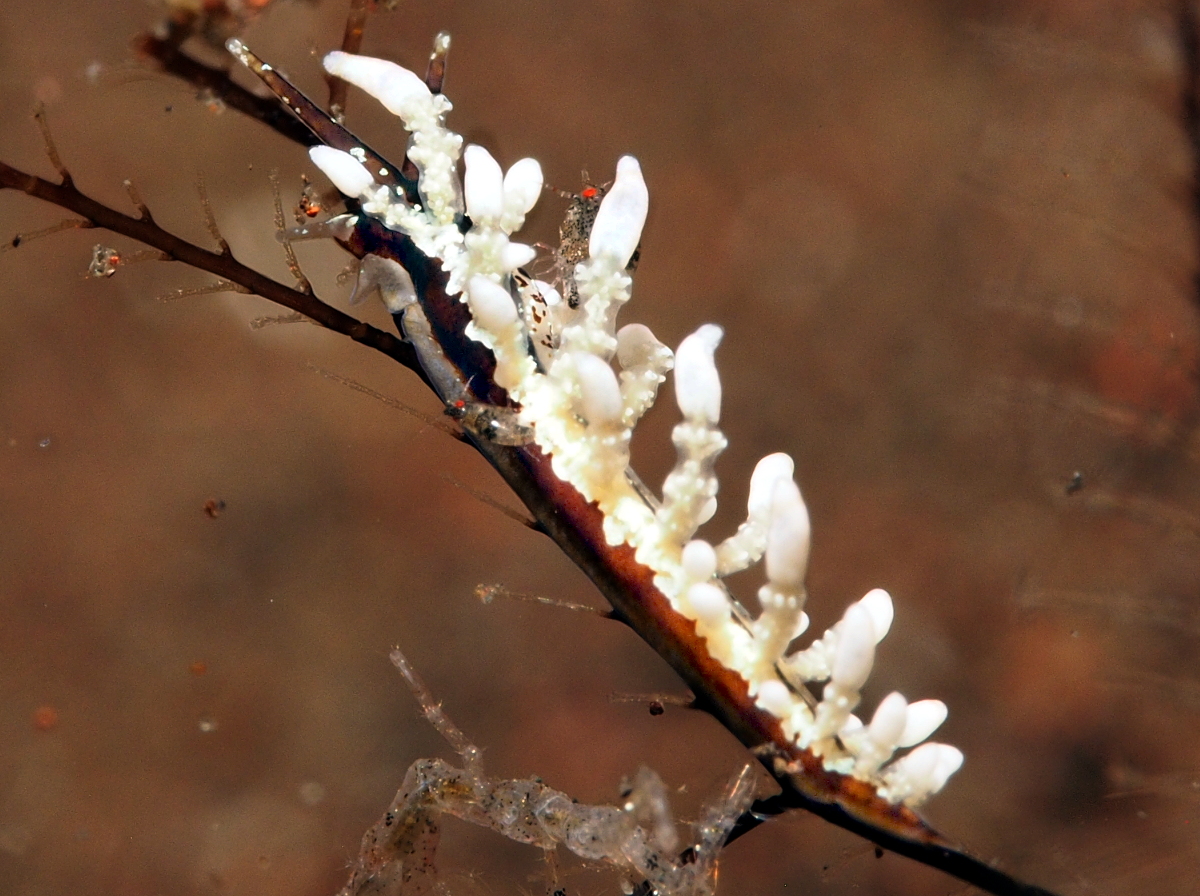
<point x="954" y="249"/>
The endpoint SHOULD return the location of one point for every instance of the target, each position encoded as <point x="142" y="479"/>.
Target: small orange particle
<point x="309" y="206"/>
<point x="213" y="507"/>
<point x="198" y="668"/>
<point x="45" y="718"/>
<point x="589" y="192"/>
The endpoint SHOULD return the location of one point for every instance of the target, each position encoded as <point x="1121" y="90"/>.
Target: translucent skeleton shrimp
<point x="574" y="235"/>
<point x="638" y="838"/>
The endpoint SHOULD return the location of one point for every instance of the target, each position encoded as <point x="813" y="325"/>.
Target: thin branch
<point x="352" y="38"/>
<point x="289" y="254"/>
<point x="136" y="198"/>
<point x="435" y="80"/>
<point x="21" y="239"/>
<point x="51" y="150"/>
<point x="467" y="751"/>
<point x="440" y="423"/>
<point x="186" y="292"/>
<point x="169" y="58"/>
<point x="65" y="195"/>
<point x="489" y="593"/>
<point x="656" y="702"/>
<point x="435" y="73"/>
<point x="269" y="320"/>
<point x="210" y="220"/>
<point x="324" y="129"/>
<point x="488" y="500"/>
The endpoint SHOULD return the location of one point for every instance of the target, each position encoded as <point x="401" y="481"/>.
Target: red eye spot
<point x="589" y="193"/>
<point x="460" y="404"/>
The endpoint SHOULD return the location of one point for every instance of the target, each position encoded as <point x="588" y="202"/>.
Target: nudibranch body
<point x="556" y="360"/>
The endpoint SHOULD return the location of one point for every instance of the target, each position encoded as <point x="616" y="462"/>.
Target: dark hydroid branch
<point x="67" y="196"/>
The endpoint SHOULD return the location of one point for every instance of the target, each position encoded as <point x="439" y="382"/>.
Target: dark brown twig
<point x="324" y="128"/>
<point x="169" y="58"/>
<point x="352" y="38"/>
<point x="435" y="73"/>
<point x="65" y="195"/>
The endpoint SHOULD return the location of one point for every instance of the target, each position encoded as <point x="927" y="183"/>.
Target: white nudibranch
<point x="557" y="363"/>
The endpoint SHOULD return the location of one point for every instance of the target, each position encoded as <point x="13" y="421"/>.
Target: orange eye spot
<point x="589" y="193"/>
<point x="460" y="404"/>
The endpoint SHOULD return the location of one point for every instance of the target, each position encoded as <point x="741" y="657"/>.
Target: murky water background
<point x="954" y="251"/>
